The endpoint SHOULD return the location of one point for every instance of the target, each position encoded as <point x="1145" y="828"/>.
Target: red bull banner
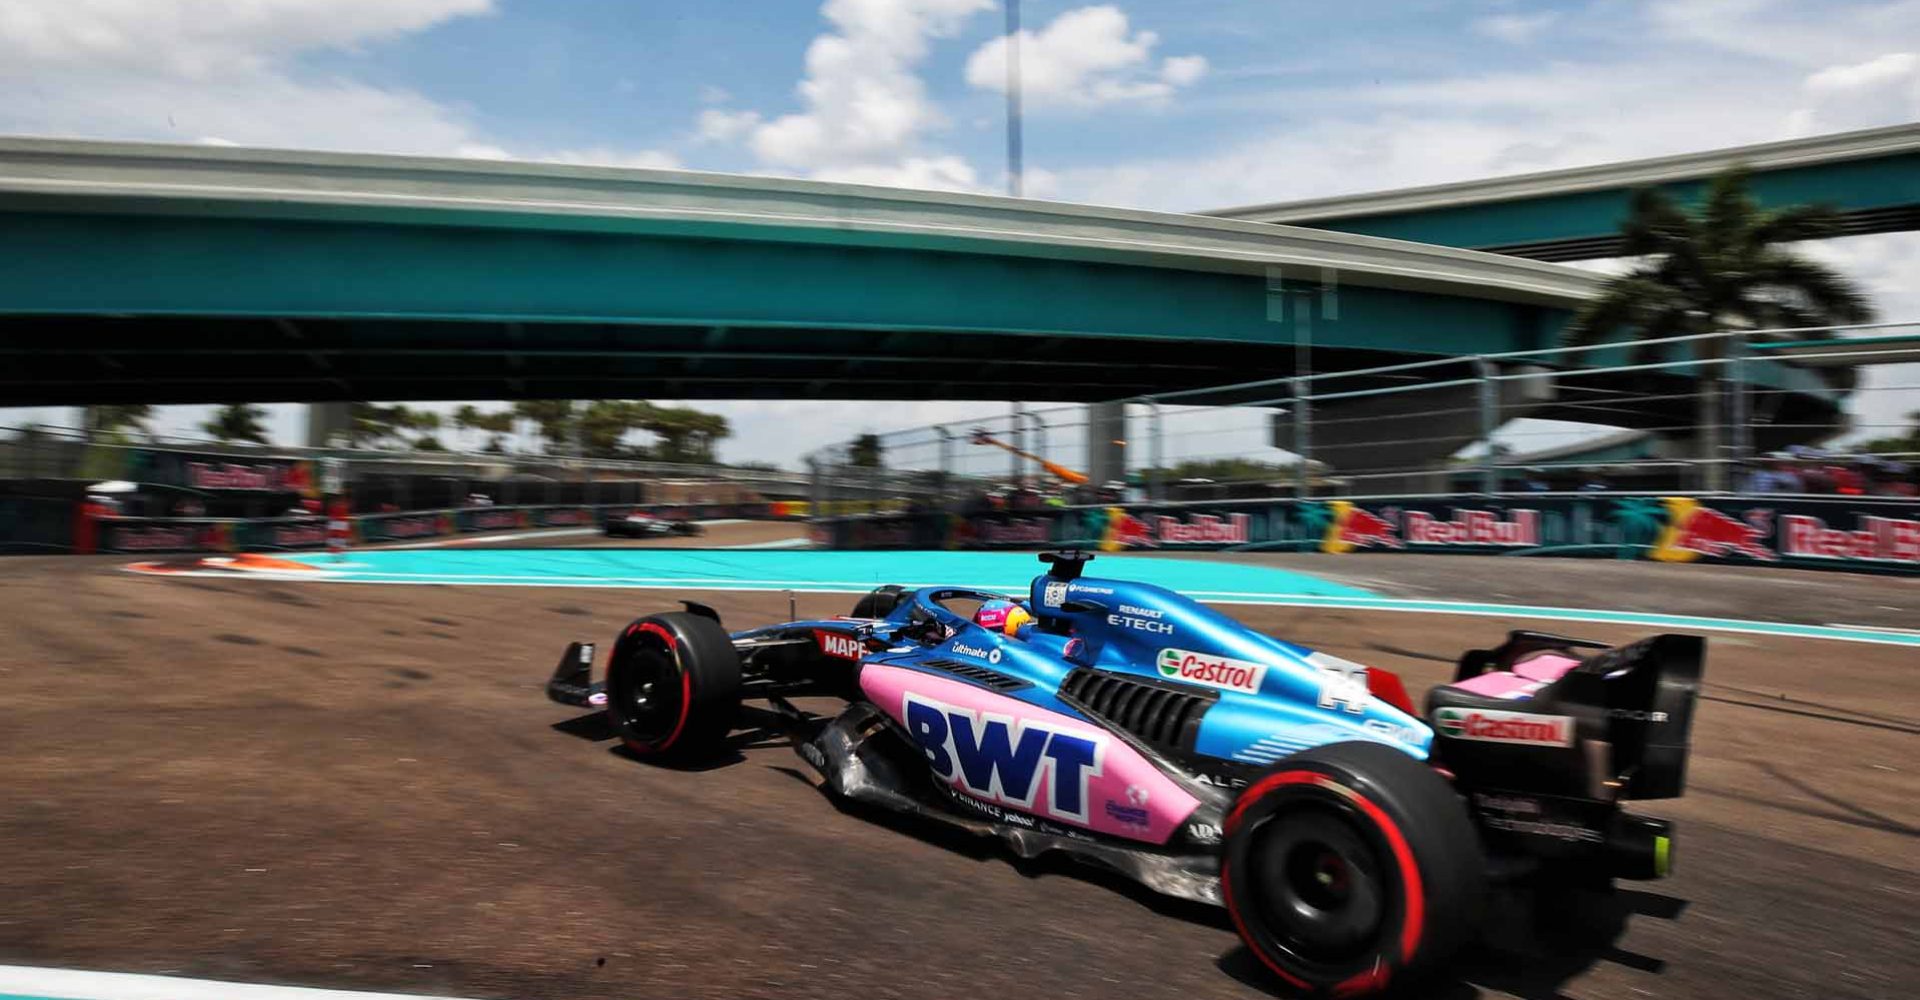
<point x="1851" y="533"/>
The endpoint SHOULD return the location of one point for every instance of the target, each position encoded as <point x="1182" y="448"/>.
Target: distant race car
<point x="1349" y="836"/>
<point x="641" y="524"/>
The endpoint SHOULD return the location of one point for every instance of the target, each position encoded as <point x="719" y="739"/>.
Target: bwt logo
<point x="1001" y="759"/>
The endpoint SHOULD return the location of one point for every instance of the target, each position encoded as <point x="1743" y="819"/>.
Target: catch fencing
<point x="178" y="494"/>
<point x="1707" y="447"/>
<point x="1702" y="413"/>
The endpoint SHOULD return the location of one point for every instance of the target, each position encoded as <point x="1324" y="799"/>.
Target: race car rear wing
<point x="1638" y="698"/>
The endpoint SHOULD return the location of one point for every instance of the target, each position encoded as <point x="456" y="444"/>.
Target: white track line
<point x="27" y="981"/>
<point x="476" y="539"/>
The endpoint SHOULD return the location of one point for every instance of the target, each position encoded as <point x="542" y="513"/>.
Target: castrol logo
<point x="1214" y="671"/>
<point x="1505" y="727"/>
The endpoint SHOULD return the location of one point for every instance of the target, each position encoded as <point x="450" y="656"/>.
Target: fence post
<point x="1156" y="485"/>
<point x="1039" y="433"/>
<point x="944" y="490"/>
<point x="1018" y="434"/>
<point x="1742" y="414"/>
<point x="1489" y="422"/>
<point x="1303" y="437"/>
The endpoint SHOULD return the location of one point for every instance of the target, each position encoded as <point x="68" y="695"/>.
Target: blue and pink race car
<point x="1349" y="835"/>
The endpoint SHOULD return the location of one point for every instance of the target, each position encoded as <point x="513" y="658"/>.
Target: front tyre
<point x="673" y="686"/>
<point x="1349" y="868"/>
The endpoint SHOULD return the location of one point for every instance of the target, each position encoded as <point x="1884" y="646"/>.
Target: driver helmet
<point x="1002" y="616"/>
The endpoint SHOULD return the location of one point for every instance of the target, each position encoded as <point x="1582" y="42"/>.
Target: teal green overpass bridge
<point x="1872" y="177"/>
<point x="178" y="274"/>
<point x="143" y="273"/>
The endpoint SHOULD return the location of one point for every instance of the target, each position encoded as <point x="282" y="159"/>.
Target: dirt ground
<point x="361" y="786"/>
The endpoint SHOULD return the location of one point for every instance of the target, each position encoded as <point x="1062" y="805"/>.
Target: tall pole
<point x="1013" y="98"/>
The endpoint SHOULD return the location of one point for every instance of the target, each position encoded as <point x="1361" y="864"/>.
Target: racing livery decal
<point x="845" y="647"/>
<point x="1002" y="760"/>
<point x="1490" y="726"/>
<point x="1216" y="671"/>
<point x="1000" y="750"/>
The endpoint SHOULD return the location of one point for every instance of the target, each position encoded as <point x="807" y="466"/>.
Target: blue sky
<point x="1147" y="103"/>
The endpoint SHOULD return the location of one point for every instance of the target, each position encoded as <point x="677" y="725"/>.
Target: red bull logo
<point x="1884" y="539"/>
<point x="1205" y="529"/>
<point x="1124" y="531"/>
<point x="1474" y="527"/>
<point x="1694" y="530"/>
<point x="1354" y="527"/>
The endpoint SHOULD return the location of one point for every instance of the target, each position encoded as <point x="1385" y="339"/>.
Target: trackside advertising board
<point x="134" y="534"/>
<point x="1851" y="533"/>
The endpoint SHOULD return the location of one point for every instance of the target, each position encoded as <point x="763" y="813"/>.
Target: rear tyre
<point x="880" y="601"/>
<point x="1350" y="868"/>
<point x="673" y="686"/>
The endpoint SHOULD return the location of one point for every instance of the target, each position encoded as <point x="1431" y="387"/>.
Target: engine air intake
<point x="991" y="678"/>
<point x="1161" y="714"/>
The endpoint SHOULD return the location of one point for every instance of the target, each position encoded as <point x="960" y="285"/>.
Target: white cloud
<point x="203" y="38"/>
<point x="865" y="105"/>
<point x="930" y="173"/>
<point x="645" y="159"/>
<point x="1811" y="34"/>
<point x="722" y="125"/>
<point x="1516" y="29"/>
<point x="1183" y="71"/>
<point x="1864" y="76"/>
<point x="1860" y="94"/>
<point x="1085" y="58"/>
<point x="219" y="73"/>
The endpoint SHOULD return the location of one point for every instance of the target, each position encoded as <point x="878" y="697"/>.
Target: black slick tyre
<point x="1350" y="869"/>
<point x="673" y="686"/>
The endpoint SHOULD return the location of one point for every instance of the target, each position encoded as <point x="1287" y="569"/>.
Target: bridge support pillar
<point x="1106" y="442"/>
<point x="324" y="420"/>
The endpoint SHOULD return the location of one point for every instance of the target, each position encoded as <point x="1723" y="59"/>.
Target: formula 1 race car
<point x="1349" y="836"/>
<point x="641" y="524"/>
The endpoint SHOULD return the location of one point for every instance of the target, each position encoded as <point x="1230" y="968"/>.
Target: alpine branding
<point x="1505" y="727"/>
<point x="1140" y="620"/>
<point x="845" y="647"/>
<point x="1216" y="671"/>
<point x="1002" y="759"/>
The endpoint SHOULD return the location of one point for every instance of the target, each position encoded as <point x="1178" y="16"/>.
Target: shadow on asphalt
<point x="1534" y="940"/>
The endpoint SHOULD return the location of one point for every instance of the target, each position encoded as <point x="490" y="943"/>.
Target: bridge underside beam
<point x="73" y="360"/>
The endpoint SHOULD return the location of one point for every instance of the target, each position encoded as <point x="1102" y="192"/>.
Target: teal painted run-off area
<point x="724" y="569"/>
<point x="1218" y="582"/>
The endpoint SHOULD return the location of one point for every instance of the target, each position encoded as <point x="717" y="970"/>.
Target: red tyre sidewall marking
<point x="1415" y="916"/>
<point x="686" y="687"/>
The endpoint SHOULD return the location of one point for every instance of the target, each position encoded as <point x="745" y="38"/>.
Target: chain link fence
<point x="1733" y="411"/>
<point x="166" y="493"/>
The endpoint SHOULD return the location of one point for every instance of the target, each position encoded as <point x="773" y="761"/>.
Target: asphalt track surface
<point x="361" y="787"/>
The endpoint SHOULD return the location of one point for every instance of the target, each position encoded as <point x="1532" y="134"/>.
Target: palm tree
<point x="107" y="421"/>
<point x="237" y="422"/>
<point x="1722" y="268"/>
